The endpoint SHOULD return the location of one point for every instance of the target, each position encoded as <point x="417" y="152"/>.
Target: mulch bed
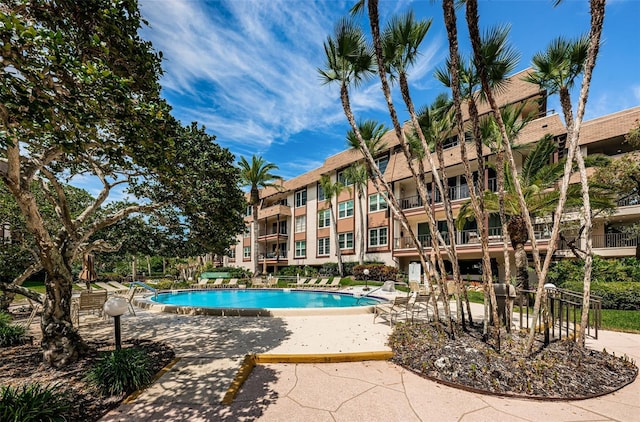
<point x="23" y="365"/>
<point x="559" y="371"/>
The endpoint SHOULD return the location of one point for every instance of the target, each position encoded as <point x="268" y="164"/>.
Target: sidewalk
<point x="211" y="350"/>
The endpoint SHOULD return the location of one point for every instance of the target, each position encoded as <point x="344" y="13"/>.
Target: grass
<point x="616" y="320"/>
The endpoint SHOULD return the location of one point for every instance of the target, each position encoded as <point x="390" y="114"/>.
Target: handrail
<point x="145" y="286"/>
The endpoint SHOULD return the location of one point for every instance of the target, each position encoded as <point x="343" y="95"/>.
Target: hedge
<point x="614" y="294"/>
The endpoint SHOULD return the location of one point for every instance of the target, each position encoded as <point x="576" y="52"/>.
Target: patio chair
<point x="129" y="295"/>
<point x="82" y="286"/>
<point x="393" y="309"/>
<point x="273" y="282"/>
<point x="89" y="302"/>
<point x="232" y="283"/>
<point x="218" y="283"/>
<point x="420" y="305"/>
<point x="202" y="283"/>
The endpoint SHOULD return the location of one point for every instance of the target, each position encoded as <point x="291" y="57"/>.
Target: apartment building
<point x="295" y="225"/>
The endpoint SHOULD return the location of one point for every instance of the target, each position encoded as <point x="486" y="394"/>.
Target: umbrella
<point x="88" y="273"/>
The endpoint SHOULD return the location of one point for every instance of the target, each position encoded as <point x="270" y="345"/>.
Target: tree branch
<point x="12" y="288"/>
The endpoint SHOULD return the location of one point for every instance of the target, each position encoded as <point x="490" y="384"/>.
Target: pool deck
<point x="211" y="349"/>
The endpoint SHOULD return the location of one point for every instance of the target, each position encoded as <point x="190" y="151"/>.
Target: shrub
<point x="11" y="335"/>
<point x="33" y="402"/>
<point x="378" y="272"/>
<point x="615" y="295"/>
<point x="121" y="371"/>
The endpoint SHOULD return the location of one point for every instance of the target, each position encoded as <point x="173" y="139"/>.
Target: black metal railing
<point x="565" y="312"/>
<point x="600" y="241"/>
<point x="629" y="201"/>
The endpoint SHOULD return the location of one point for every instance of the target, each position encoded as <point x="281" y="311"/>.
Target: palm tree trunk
<point x="254" y="247"/>
<point x="382" y="186"/>
<point x="375" y="32"/>
<point x="362" y="229"/>
<point x="505" y="236"/>
<point x="335" y="237"/>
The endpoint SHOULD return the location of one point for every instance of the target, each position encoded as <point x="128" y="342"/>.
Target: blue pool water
<point x="261" y="299"/>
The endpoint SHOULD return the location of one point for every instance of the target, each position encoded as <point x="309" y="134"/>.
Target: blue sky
<point x="247" y="69"/>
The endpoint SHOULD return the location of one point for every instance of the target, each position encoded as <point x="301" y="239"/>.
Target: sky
<point x="248" y="69"/>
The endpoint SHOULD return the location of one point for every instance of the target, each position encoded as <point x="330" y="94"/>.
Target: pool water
<point x="262" y="299"/>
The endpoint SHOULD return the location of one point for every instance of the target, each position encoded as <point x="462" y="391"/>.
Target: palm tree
<point x="358" y="176"/>
<point x="538" y="180"/>
<point x="332" y="190"/>
<point x="499" y="59"/>
<point x="257" y="175"/>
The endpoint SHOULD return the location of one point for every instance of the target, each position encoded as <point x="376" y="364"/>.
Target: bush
<point x="11" y="335"/>
<point x="378" y="272"/>
<point x="615" y="295"/>
<point x="121" y="371"/>
<point x="604" y="270"/>
<point x="33" y="402"/>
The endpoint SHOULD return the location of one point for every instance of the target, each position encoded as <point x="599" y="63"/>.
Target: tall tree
<point x="332" y="190"/>
<point x="576" y="63"/>
<point x="358" y="177"/>
<point x="81" y="99"/>
<point x="257" y="175"/>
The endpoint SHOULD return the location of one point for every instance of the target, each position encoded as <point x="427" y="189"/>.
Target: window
<point x="345" y="209"/>
<point x="247" y="251"/>
<point x="301" y="248"/>
<point x="450" y="142"/>
<point x="248" y="211"/>
<point x="321" y="196"/>
<point x="324" y="247"/>
<point x="378" y="237"/>
<point x="301" y="223"/>
<point x="377" y="202"/>
<point x="324" y="218"/>
<point x="342" y="178"/>
<point x="247" y="231"/>
<point x="345" y="240"/>
<point x="232" y="253"/>
<point x="382" y="163"/>
<point x="301" y="198"/>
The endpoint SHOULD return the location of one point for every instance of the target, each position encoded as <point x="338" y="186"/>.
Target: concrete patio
<point x="211" y="350"/>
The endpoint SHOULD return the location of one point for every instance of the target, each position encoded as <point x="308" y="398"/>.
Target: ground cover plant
<point x="560" y="370"/>
<point x="32" y="392"/>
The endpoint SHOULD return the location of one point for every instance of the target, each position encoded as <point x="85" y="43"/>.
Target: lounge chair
<point x="415" y="287"/>
<point x="311" y="283"/>
<point x="82" y="286"/>
<point x="322" y="284"/>
<point x="393" y="309"/>
<point x="232" y="283"/>
<point x="273" y="282"/>
<point x="119" y="286"/>
<point x="257" y="282"/>
<point x="218" y="283"/>
<point x="202" y="283"/>
<point x="335" y="283"/>
<point x="109" y="288"/>
<point x="298" y="284"/>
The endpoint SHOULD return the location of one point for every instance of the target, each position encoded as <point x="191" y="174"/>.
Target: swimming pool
<point x="259" y="302"/>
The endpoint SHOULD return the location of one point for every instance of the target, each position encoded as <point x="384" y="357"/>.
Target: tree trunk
<point x="337" y="241"/>
<point x="362" y="229"/>
<point x="254" y="246"/>
<point x="61" y="342"/>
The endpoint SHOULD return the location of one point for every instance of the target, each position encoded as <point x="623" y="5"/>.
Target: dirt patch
<point x="560" y="371"/>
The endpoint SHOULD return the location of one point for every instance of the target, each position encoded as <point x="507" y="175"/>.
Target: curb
<point x="131" y="397"/>
<point x="250" y="361"/>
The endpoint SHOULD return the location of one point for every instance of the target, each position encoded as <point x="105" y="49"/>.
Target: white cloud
<point x="248" y="68"/>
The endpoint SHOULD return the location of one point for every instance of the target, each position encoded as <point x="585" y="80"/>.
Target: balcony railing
<point x="410" y="202"/>
<point x="273" y="256"/>
<point x="602" y="241"/>
<point x="271" y="232"/>
<point x="629" y="201"/>
<point x="463" y="237"/>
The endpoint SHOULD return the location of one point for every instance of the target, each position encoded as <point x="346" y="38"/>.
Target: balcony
<point x="273" y="256"/>
<point x="274" y="210"/>
<point x="464" y="237"/>
<point x="629" y="201"/>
